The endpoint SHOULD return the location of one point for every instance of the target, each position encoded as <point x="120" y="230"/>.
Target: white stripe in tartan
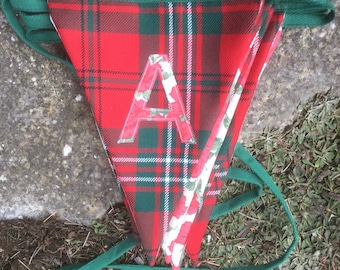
<point x="221" y="174"/>
<point x="150" y="179"/>
<point x="154" y="160"/>
<point x="188" y="95"/>
<point x="171" y="32"/>
<point x="169" y="134"/>
<point x="213" y="193"/>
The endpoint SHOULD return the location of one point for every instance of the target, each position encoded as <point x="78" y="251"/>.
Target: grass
<point x="304" y="161"/>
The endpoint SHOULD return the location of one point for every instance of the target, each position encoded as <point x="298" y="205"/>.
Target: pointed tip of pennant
<point x="168" y="259"/>
<point x="174" y="267"/>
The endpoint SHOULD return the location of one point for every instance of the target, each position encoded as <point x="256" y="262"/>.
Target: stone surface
<point x="51" y="157"/>
<point x="306" y="62"/>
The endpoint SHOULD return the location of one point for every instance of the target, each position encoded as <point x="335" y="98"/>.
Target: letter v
<point x="139" y="112"/>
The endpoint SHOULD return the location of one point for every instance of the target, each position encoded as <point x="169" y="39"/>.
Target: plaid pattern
<point x="206" y="43"/>
<point x="269" y="40"/>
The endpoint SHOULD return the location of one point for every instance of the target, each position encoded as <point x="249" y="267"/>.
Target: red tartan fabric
<point x="156" y="76"/>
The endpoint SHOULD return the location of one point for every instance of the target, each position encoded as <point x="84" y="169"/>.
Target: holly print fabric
<point x="169" y="84"/>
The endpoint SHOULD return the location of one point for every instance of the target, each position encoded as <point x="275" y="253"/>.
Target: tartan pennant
<point x="169" y="84"/>
<point x="269" y="41"/>
<point x="262" y="48"/>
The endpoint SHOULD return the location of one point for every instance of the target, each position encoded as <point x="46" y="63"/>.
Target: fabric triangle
<point x="199" y="54"/>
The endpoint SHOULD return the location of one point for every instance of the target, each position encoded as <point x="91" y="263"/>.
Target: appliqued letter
<point x="157" y="64"/>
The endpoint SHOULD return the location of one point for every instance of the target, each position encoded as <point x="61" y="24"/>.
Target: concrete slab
<point x="51" y="157"/>
<point x="306" y="62"/>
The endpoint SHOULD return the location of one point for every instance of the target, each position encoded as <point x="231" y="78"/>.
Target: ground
<point x="304" y="162"/>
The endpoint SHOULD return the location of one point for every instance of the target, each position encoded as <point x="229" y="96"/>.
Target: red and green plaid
<point x="267" y="46"/>
<point x="127" y="53"/>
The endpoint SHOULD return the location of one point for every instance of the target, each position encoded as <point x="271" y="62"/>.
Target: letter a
<point x="157" y="64"/>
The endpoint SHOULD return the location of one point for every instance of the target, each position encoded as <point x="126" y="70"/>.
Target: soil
<point x="50" y="243"/>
